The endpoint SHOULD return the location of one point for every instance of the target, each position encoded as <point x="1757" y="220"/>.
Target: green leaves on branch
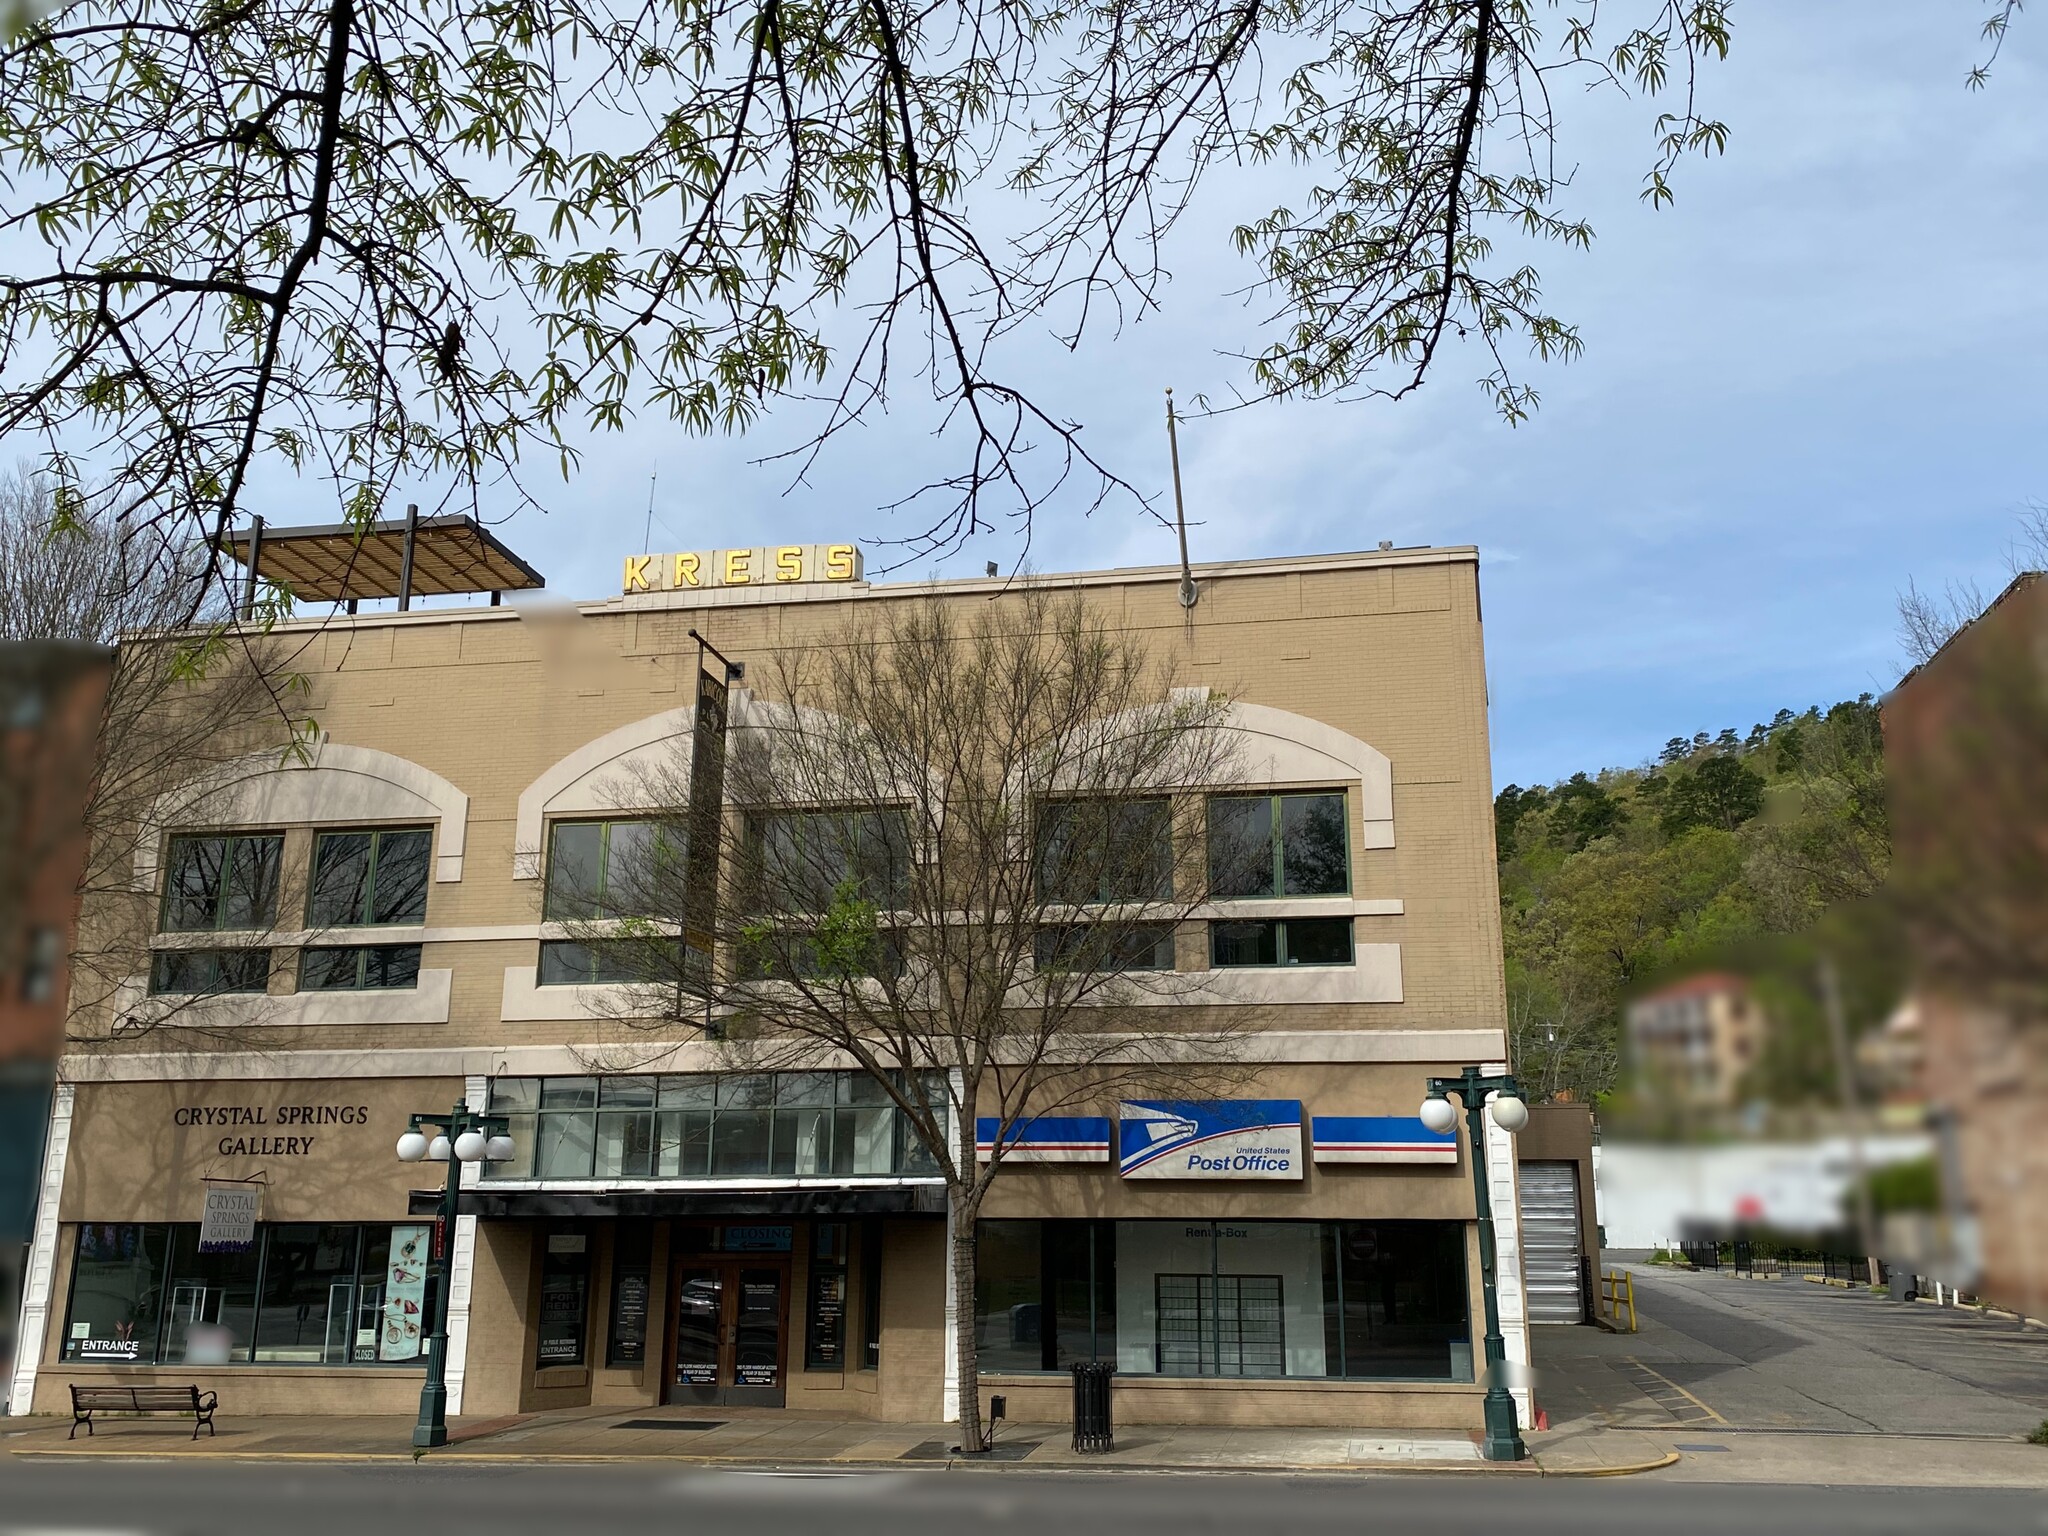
<point x="249" y="228"/>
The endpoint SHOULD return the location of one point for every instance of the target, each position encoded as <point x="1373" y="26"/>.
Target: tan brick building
<point x="671" y="1230"/>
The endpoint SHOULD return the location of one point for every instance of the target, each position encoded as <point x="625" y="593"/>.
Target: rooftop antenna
<point x="1188" y="594"/>
<point x="647" y="527"/>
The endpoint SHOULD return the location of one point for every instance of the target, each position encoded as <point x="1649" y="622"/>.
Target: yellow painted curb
<point x="1669" y="1458"/>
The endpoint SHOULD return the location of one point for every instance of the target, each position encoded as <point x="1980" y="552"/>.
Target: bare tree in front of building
<point x="970" y="849"/>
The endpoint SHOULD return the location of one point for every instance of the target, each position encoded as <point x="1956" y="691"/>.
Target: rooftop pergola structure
<point x="404" y="558"/>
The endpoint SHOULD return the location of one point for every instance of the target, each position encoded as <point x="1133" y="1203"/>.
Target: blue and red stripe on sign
<point x="1379" y="1139"/>
<point x="1046" y="1139"/>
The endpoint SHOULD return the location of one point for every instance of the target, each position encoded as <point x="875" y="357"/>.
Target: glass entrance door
<point x="730" y="1334"/>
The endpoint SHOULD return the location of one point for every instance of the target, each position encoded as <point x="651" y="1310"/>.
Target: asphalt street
<point x="143" y="1499"/>
<point x="1789" y="1355"/>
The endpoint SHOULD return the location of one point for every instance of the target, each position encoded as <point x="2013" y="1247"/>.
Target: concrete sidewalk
<point x="757" y="1438"/>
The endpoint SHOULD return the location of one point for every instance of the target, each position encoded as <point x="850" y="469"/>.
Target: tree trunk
<point x="968" y="1420"/>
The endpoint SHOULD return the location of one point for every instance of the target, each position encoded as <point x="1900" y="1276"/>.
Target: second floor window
<point x="1105" y="850"/>
<point x="208" y="972"/>
<point x="222" y="883"/>
<point x="599" y="869"/>
<point x="1279" y="845"/>
<point x="1096" y="948"/>
<point x="371" y="877"/>
<point x="366" y="968"/>
<point x="804" y="858"/>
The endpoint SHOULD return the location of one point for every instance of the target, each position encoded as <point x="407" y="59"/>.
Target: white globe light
<point x="412" y="1146"/>
<point x="1439" y="1115"/>
<point x="469" y="1146"/>
<point x="1510" y="1113"/>
<point x="499" y="1149"/>
<point x="437" y="1150"/>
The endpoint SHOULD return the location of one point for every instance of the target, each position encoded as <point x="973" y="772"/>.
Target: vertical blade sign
<point x="707" y="822"/>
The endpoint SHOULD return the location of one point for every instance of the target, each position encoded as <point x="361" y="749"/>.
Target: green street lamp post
<point x="463" y="1136"/>
<point x="1510" y="1113"/>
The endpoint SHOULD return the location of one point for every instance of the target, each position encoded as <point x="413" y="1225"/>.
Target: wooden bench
<point x="88" y="1400"/>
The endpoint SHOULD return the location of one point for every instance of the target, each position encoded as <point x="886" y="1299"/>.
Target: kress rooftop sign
<point x="765" y="566"/>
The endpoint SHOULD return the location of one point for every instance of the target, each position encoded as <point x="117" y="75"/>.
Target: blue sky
<point x="1818" y="374"/>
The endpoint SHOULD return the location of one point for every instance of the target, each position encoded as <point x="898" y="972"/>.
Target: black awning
<point x="515" y="1204"/>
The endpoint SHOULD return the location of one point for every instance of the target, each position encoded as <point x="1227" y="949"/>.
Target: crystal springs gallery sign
<point x="267" y="1130"/>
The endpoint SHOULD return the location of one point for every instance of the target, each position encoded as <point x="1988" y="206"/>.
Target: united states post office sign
<point x="1214" y="1139"/>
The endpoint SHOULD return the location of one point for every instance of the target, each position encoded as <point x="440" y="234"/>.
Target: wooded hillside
<point x="1757" y="852"/>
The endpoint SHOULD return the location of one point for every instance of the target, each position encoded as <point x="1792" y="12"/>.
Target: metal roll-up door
<point x="1550" y="1242"/>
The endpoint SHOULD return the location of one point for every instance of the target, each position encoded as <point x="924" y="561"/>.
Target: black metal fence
<point x="1752" y="1258"/>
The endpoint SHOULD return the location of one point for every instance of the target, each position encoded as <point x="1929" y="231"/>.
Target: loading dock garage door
<point x="1550" y="1242"/>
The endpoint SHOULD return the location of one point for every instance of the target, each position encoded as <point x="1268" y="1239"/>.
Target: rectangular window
<point x="1279" y="845"/>
<point x="802" y="859"/>
<point x="567" y="964"/>
<point x="208" y="972"/>
<point x="1009" y="1306"/>
<point x="567" y="1137"/>
<point x="1363" y="1300"/>
<point x="370" y="877"/>
<point x="222" y="883"/>
<point x="632" y="1269"/>
<point x="39" y="972"/>
<point x="211" y="1316"/>
<point x="1099" y="948"/>
<point x="564" y="1299"/>
<point x="781" y="1124"/>
<point x="1105" y="850"/>
<point x="1281" y="941"/>
<point x="328" y="1295"/>
<point x="117" y="1292"/>
<point x="309" y="1309"/>
<point x="825" y="1314"/>
<point x="773" y="952"/>
<point x="625" y="1128"/>
<point x="367" y="968"/>
<point x="518" y="1099"/>
<point x="871" y="1295"/>
<point x="599" y="869"/>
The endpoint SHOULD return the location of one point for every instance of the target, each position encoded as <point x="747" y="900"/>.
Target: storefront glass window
<point x="301" y="1295"/>
<point x="564" y="1299"/>
<point x="309" y="1295"/>
<point x="210" y="1318"/>
<point x="117" y="1284"/>
<point x="1008" y="1290"/>
<point x="871" y="1295"/>
<point x="1373" y="1300"/>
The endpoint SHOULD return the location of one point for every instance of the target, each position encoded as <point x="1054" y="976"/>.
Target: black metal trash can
<point x="1093" y="1430"/>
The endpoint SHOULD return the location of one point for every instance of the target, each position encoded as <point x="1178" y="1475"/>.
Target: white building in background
<point x="1652" y="1196"/>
